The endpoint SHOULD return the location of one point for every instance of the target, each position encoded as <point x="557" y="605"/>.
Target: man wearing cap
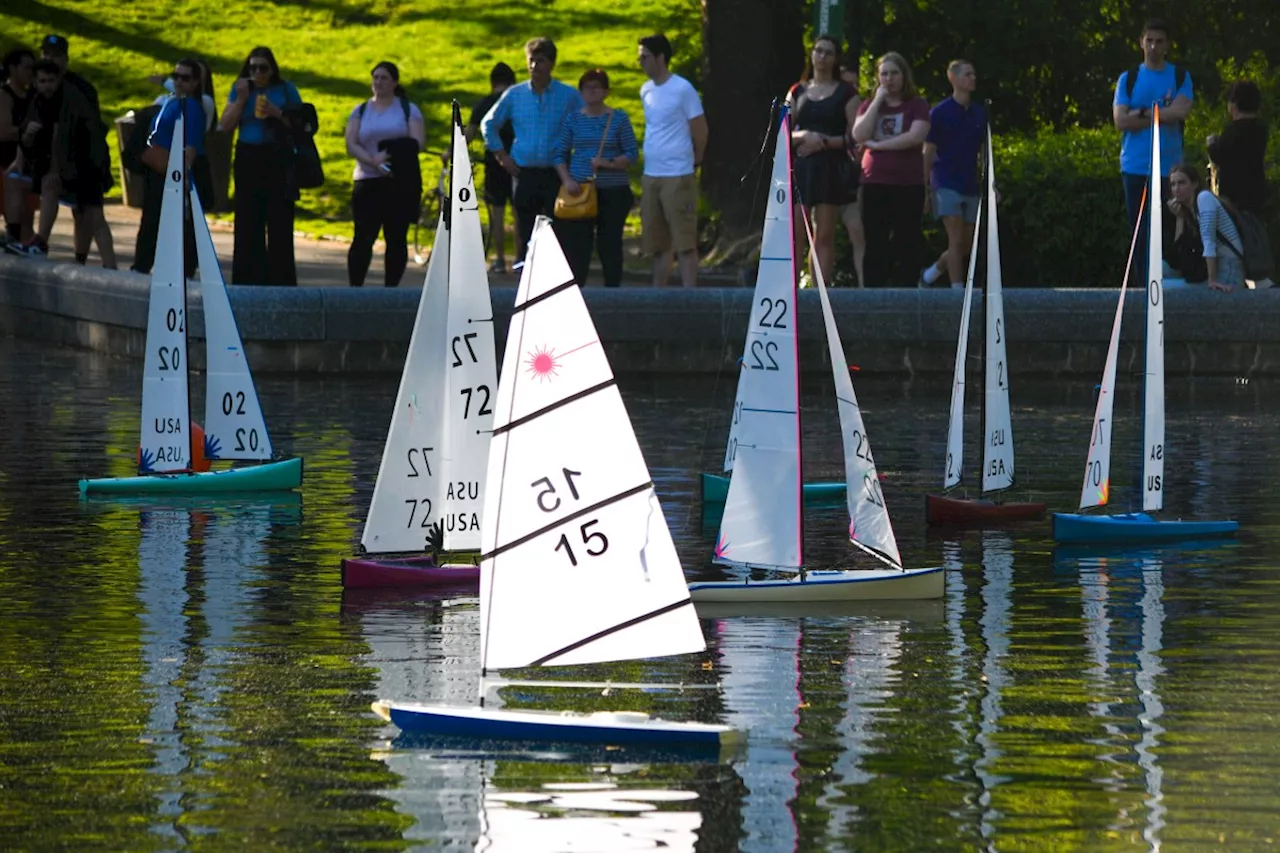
<point x="94" y="161"/>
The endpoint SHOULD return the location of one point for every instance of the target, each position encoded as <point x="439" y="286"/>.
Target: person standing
<point x="675" y="138"/>
<point x="15" y="94"/>
<point x="957" y="137"/>
<point x="187" y="100"/>
<point x="1238" y="152"/>
<point x="266" y="190"/>
<point x="597" y="143"/>
<point x="87" y="176"/>
<point x="536" y="111"/>
<point x="823" y="108"/>
<point x="1155" y="81"/>
<point x="851" y="214"/>
<point x="891" y="128"/>
<point x="384" y="135"/>
<point x="497" y="183"/>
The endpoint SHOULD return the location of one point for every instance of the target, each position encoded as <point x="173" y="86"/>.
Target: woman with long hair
<point x="384" y="135"/>
<point x="823" y="108"/>
<point x="891" y="128"/>
<point x="266" y="189"/>
<point x="1204" y="225"/>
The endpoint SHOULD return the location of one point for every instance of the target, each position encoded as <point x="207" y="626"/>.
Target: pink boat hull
<point x="361" y="573"/>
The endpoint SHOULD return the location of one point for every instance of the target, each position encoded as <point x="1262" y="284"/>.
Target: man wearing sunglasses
<point x="185" y="101"/>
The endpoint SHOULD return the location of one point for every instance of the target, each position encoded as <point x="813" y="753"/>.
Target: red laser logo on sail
<point x="542" y="364"/>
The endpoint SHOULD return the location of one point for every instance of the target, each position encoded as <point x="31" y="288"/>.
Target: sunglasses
<point x="178" y="75"/>
<point x="259" y="66"/>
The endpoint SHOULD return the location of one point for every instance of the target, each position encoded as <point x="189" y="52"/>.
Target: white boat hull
<point x="827" y="585"/>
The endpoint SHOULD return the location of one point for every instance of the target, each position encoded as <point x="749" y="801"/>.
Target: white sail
<point x="472" y="374"/>
<point x="409" y="492"/>
<point x="762" y="521"/>
<point x="165" y="443"/>
<point x="1096" y="490"/>
<point x="233" y="424"/>
<point x="578" y="565"/>
<point x="1153" y="391"/>
<point x="954" y="471"/>
<point x="869" y="525"/>
<point x="997" y="443"/>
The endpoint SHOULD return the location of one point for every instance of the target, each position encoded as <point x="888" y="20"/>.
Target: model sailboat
<point x="762" y="526"/>
<point x="773" y="304"/>
<point x="431" y="479"/>
<point x="234" y="425"/>
<point x="578" y="565"/>
<point x="997" y="441"/>
<point x="1135" y="526"/>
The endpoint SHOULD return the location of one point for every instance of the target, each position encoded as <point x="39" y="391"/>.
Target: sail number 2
<point x="549" y="501"/>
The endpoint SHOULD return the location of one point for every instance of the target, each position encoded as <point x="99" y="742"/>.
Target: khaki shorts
<point x="669" y="214"/>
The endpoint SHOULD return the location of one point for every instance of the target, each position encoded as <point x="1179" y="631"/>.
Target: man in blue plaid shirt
<point x="536" y="110"/>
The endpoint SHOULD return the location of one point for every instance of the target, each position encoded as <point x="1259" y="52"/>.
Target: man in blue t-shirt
<point x="1157" y="82"/>
<point x="187" y="91"/>
<point x="957" y="134"/>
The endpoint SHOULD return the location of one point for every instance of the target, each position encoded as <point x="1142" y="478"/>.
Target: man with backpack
<point x="1155" y="81"/>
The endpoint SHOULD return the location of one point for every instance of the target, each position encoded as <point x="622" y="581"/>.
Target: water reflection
<point x="198" y="560"/>
<point x="176" y="675"/>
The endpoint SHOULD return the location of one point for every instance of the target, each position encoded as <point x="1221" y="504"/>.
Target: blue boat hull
<point x="269" y="476"/>
<point x="485" y="724"/>
<point x="1133" y="527"/>
<point x="715" y="490"/>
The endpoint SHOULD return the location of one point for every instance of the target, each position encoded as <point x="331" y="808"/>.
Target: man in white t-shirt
<point x="675" y="137"/>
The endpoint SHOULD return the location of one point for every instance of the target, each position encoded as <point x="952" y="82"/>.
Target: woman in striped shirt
<point x="1201" y="209"/>
<point x="579" y="156"/>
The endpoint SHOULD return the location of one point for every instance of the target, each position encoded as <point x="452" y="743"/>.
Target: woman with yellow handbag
<point x="595" y="147"/>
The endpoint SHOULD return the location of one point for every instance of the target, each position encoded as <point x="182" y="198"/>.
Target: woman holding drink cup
<point x="265" y="188"/>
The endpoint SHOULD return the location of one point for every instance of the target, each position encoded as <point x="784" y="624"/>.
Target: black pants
<point x="144" y="253"/>
<point x="265" y="196"/>
<point x="891" y="219"/>
<point x="387" y="205"/>
<point x="534" y="195"/>
<point x="605" y="231"/>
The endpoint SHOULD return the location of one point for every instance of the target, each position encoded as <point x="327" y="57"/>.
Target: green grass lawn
<point x="444" y="48"/>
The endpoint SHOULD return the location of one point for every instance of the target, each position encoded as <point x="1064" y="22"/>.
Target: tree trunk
<point x="753" y="52"/>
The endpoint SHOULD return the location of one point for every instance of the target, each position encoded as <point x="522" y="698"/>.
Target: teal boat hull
<point x="267" y="477"/>
<point x="1070" y="527"/>
<point x="715" y="490"/>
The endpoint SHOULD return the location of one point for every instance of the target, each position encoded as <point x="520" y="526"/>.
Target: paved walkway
<point x="321" y="263"/>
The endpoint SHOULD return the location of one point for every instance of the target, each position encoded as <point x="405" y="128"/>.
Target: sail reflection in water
<point x="464" y="798"/>
<point x="1123" y="602"/>
<point x="198" y="559"/>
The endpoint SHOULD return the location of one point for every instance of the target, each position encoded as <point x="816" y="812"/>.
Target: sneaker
<point x="805" y="280"/>
<point x="14" y="247"/>
<point x="498" y="267"/>
<point x="35" y="250"/>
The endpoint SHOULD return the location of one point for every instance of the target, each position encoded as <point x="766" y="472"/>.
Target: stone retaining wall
<point x="328" y="329"/>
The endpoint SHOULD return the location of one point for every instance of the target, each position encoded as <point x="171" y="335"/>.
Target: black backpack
<point x="1179" y="77"/>
<point x="131" y="156"/>
<point x="1256" y="258"/>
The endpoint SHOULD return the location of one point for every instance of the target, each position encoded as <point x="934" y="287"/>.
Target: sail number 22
<point x="549" y="500"/>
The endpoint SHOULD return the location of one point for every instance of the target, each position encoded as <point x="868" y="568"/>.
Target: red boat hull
<point x="940" y="510"/>
<point x="359" y="573"/>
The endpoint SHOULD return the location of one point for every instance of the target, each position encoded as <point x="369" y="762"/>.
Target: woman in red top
<point x="891" y="128"/>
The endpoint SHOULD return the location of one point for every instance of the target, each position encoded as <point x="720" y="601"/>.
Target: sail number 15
<point x="549" y="500"/>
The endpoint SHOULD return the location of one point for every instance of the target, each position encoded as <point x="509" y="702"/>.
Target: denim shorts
<point x="951" y="203"/>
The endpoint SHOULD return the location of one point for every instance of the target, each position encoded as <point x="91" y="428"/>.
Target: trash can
<point x="133" y="185"/>
<point x="217" y="148"/>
